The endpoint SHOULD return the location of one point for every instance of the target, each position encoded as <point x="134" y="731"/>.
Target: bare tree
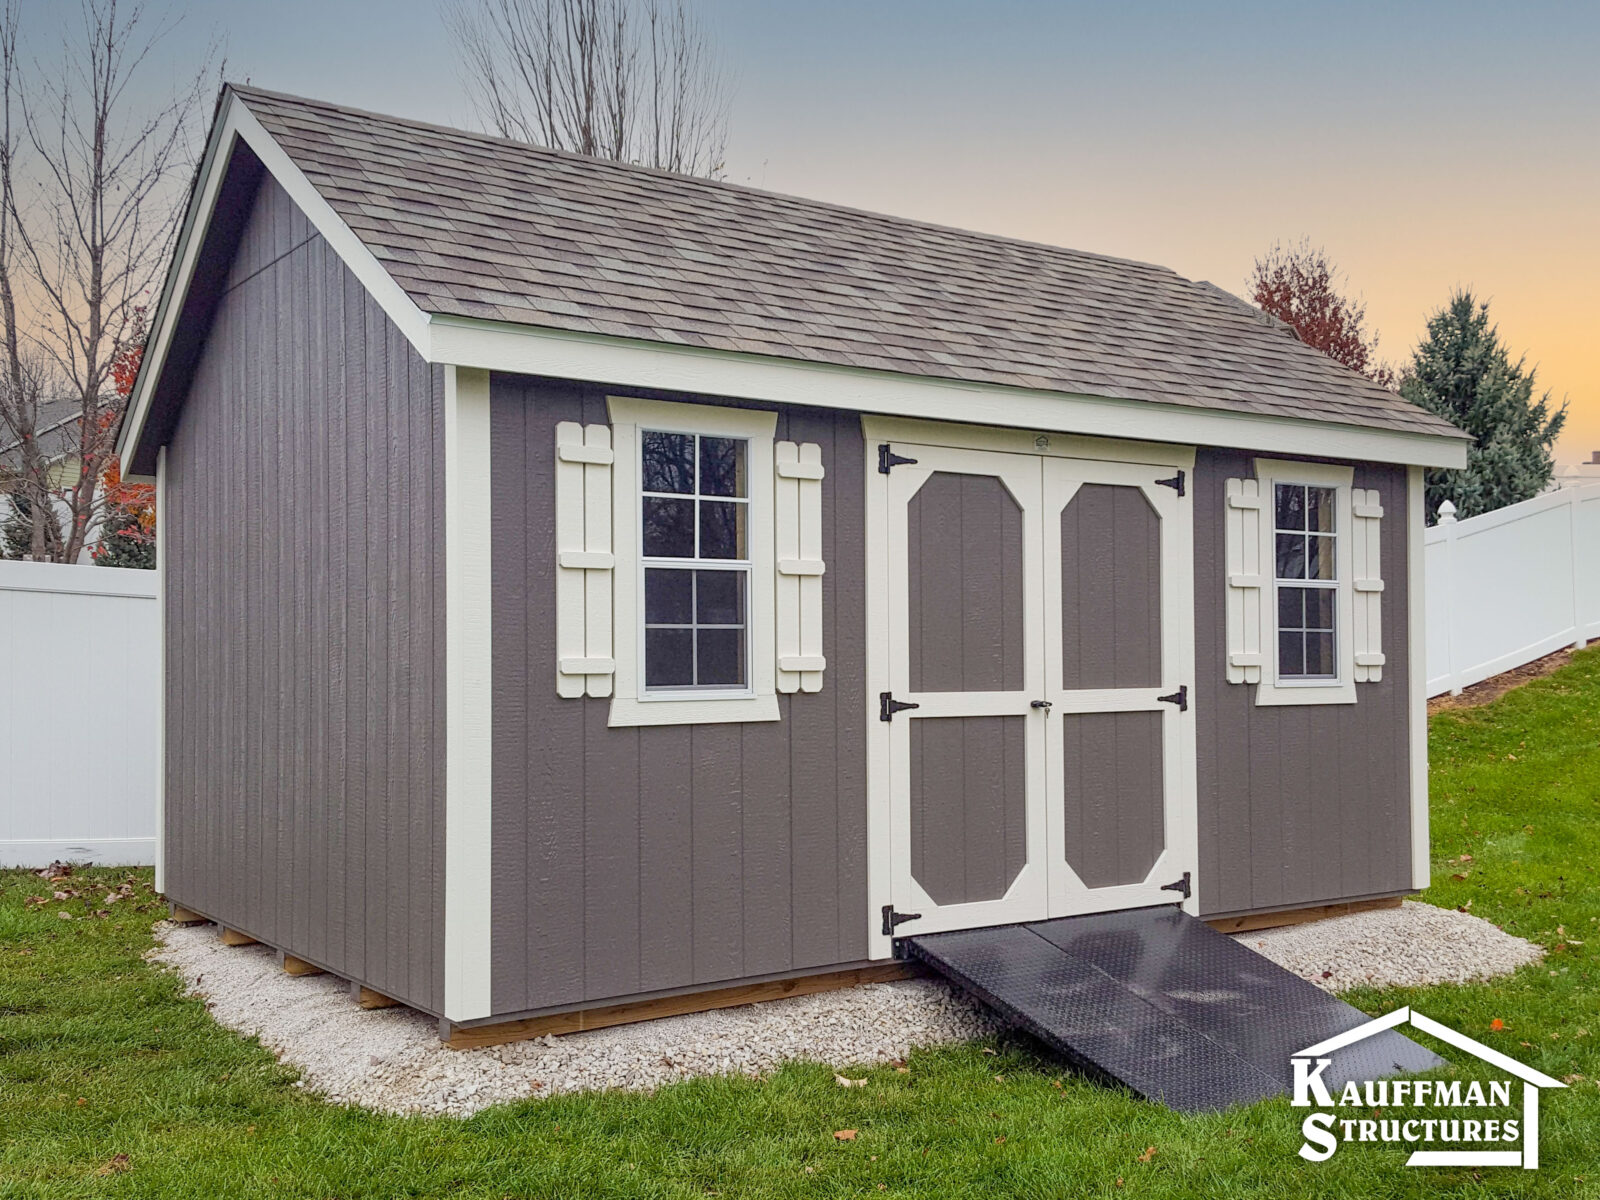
<point x="82" y="249"/>
<point x="633" y="80"/>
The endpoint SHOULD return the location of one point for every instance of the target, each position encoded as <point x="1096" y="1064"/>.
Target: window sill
<point x="1334" y="692"/>
<point x="705" y="710"/>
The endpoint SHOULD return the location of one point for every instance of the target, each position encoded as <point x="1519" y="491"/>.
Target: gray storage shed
<point x="585" y="585"/>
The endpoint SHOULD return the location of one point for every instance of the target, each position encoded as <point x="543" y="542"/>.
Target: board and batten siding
<point x="305" y="605"/>
<point x="631" y="861"/>
<point x="1299" y="804"/>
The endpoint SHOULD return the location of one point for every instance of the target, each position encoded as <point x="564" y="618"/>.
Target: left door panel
<point x="967" y="760"/>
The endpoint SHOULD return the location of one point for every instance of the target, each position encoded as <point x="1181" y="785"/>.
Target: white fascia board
<point x="237" y="122"/>
<point x="519" y="349"/>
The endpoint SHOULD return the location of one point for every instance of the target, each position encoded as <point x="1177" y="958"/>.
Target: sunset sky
<point x="1448" y="144"/>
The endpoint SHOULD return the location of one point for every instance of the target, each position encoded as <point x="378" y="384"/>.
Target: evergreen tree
<point x="125" y="543"/>
<point x="16" y="531"/>
<point x="1462" y="372"/>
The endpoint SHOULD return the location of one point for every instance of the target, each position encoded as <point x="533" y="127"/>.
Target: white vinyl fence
<point x="1511" y="586"/>
<point x="78" y="714"/>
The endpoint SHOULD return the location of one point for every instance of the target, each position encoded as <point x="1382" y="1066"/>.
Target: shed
<point x="586" y="586"/>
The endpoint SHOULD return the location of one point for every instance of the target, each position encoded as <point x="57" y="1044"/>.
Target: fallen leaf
<point x="903" y="1070"/>
<point x="844" y="1135"/>
<point x="119" y="1162"/>
<point x="65" y="916"/>
<point x="986" y="1050"/>
<point x="1466" y="858"/>
<point x="1496" y="1025"/>
<point x="999" y="1078"/>
<point x="1573" y="1078"/>
<point x="1149" y="1153"/>
<point x="1001" y="1140"/>
<point x="1458" y="877"/>
<point x="844" y="1082"/>
<point x="82" y="1100"/>
<point x="1119" y="1180"/>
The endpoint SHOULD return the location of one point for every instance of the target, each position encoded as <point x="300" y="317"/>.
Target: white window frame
<point x="1341" y="689"/>
<point x="632" y="703"/>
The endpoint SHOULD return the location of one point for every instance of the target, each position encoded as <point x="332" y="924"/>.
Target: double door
<point x="1039" y="616"/>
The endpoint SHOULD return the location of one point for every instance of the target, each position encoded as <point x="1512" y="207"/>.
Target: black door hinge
<point x="888" y="706"/>
<point x="892" y="918"/>
<point x="1177" y="885"/>
<point x="1179" y="697"/>
<point x="887" y="459"/>
<point x="1175" y="483"/>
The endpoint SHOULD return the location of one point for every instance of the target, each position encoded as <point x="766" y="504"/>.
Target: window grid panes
<point x="1304" y="541"/>
<point x="695" y="540"/>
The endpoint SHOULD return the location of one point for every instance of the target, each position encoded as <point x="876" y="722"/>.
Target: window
<point x="694" y="592"/>
<point x="1306" y="575"/>
<point x="695" y="544"/>
<point x="1303" y="531"/>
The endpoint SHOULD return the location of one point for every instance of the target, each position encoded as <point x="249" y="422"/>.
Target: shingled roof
<point x="478" y="226"/>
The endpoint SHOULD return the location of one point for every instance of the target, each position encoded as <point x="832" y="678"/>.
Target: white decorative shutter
<point x="1366" y="511"/>
<point x="584" y="560"/>
<point x="797" y="519"/>
<point x="1246" y="580"/>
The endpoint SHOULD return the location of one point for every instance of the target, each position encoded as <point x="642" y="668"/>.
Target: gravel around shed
<point x="391" y="1059"/>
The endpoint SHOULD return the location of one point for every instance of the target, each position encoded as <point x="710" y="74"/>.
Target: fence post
<point x="1574" y="497"/>
<point x="1447" y="522"/>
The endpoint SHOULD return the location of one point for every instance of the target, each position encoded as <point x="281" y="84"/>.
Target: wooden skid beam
<point x="1299" y="916"/>
<point x="299" y="966"/>
<point x="368" y="998"/>
<point x="183" y="916"/>
<point x="232" y="937"/>
<point x="671" y="1006"/>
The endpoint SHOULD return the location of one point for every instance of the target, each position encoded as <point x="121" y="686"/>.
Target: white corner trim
<point x="468" y="695"/>
<point x="630" y="704"/>
<point x="1417" y="675"/>
<point x="161" y="670"/>
<point x="1342" y="690"/>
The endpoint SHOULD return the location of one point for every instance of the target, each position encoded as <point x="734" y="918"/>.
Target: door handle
<point x="1045" y="704"/>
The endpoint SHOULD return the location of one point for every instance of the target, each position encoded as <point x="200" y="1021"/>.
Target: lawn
<point x="113" y="1084"/>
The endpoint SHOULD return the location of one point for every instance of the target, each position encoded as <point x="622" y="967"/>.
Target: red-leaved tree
<point x="1300" y="286"/>
<point x="128" y="538"/>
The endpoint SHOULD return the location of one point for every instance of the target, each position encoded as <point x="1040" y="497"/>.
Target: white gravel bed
<point x="391" y="1059"/>
<point x="1415" y="945"/>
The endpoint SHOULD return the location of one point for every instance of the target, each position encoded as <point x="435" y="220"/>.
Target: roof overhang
<point x="624" y="363"/>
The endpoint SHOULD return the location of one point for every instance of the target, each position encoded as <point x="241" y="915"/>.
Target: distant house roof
<point x="476" y="226"/>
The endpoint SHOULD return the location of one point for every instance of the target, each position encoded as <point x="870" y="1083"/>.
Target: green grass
<point x="101" y="1056"/>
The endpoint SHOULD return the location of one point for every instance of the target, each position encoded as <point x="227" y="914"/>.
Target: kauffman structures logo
<point x="1484" y="1125"/>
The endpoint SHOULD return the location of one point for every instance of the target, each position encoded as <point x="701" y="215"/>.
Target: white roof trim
<point x="621" y="362"/>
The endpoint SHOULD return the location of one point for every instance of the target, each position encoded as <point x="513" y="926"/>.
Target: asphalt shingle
<point x="479" y="226"/>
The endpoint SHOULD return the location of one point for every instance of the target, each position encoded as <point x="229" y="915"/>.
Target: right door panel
<point x="1119" y="656"/>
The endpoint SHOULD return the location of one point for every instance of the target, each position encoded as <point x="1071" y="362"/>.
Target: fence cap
<point x="1447" y="513"/>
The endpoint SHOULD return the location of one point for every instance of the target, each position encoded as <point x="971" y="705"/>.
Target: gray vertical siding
<point x="969" y="805"/>
<point x="1112" y="795"/>
<point x="628" y="861"/>
<point x="305" y="606"/>
<point x="1110" y="589"/>
<point x="965" y="554"/>
<point x="1298" y="804"/>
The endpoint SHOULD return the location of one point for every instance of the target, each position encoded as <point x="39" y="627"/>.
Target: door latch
<point x="888" y="706"/>
<point x="1181" y="886"/>
<point x="1179" y="697"/>
<point x="1044" y="704"/>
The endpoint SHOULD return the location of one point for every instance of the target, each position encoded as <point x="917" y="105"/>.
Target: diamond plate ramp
<point x="1151" y="998"/>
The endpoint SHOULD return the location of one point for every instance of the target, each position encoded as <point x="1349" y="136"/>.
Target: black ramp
<point x="1162" y="1003"/>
